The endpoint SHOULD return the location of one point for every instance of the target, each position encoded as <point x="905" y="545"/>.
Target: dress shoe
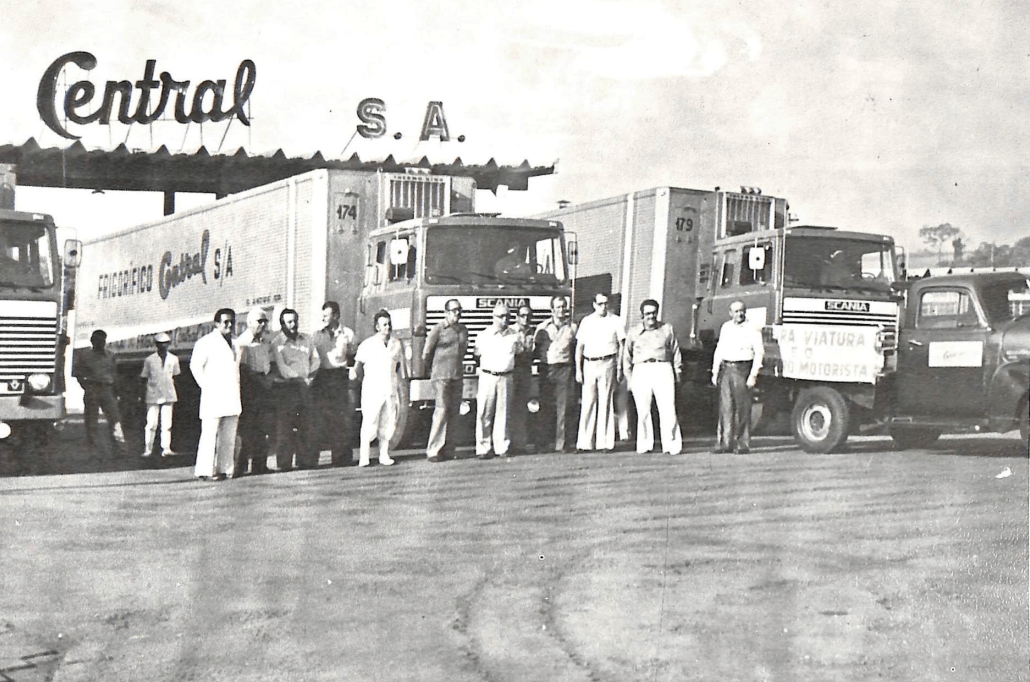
<point x="742" y="451"/>
<point x="218" y="477"/>
<point x="435" y="459"/>
<point x="387" y="461"/>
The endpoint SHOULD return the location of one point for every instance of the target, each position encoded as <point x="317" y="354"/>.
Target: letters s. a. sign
<point x="206" y="103"/>
<point x="372" y="114"/>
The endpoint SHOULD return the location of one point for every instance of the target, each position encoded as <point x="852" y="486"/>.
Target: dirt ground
<point x="603" y="567"/>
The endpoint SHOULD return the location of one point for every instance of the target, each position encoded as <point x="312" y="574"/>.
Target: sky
<point x="880" y="116"/>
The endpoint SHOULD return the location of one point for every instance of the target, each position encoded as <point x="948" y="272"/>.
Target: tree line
<point x="987" y="254"/>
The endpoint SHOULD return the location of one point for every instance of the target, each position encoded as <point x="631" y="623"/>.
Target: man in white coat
<point x="215" y="364"/>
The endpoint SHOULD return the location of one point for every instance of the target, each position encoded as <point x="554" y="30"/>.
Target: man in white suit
<point x="215" y="364"/>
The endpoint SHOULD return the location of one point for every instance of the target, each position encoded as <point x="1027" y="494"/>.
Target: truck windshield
<point x="1005" y="301"/>
<point x="832" y="263"/>
<point x="26" y="259"/>
<point x="504" y="255"/>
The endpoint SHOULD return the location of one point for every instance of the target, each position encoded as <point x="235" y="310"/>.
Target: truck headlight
<point x="39" y="382"/>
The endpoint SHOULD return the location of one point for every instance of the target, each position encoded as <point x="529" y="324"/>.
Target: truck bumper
<point x="32" y="408"/>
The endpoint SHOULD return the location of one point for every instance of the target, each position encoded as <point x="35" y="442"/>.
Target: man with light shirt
<point x="256" y="426"/>
<point x="654" y="367"/>
<point x="297" y="361"/>
<point x="496" y="348"/>
<point x="444" y="354"/>
<point x="735" y="365"/>
<point x="379" y="365"/>
<point x="331" y="386"/>
<point x="599" y="344"/>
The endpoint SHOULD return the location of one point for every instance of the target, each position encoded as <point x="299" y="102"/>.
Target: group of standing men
<point x="292" y="392"/>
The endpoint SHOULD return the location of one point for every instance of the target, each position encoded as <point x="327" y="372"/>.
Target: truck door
<point x="941" y="356"/>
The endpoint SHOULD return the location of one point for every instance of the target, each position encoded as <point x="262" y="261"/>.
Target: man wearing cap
<point x="444" y="354"/>
<point x="257" y="417"/>
<point x="654" y="367"/>
<point x="331" y="385"/>
<point x="496" y="347"/>
<point x="599" y="343"/>
<point x="95" y="371"/>
<point x="159" y="371"/>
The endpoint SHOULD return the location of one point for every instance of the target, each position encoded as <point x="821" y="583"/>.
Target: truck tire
<point x="912" y="437"/>
<point x="820" y="420"/>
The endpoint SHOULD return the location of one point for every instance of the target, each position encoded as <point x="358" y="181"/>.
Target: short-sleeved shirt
<point x="445" y="350"/>
<point x="334" y="346"/>
<point x="497" y="348"/>
<point x="160" y="379"/>
<point x="380" y="362"/>
<point x="653" y="345"/>
<point x="556" y="345"/>
<point x="601" y="336"/>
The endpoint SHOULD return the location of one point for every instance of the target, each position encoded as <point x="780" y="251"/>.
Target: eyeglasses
<point x="501" y="317"/>
<point x="454" y="310"/>
<point x="262" y="321"/>
<point x="600" y="302"/>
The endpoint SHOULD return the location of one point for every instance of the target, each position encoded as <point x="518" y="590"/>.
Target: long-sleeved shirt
<point x="257" y="354"/>
<point x="295" y="358"/>
<point x="739" y="343"/>
<point x="556" y="345"/>
<point x="653" y="345"/>
<point x="445" y="350"/>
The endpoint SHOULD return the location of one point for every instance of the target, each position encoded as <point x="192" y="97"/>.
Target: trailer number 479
<point x="344" y="211"/>
<point x="684" y="224"/>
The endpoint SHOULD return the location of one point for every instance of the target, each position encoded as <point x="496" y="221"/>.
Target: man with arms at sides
<point x="379" y="365"/>
<point x="654" y="367"/>
<point x="215" y="364"/>
<point x="95" y="370"/>
<point x="518" y="410"/>
<point x="599" y="343"/>
<point x="159" y="372"/>
<point x="297" y="361"/>
<point x="331" y="386"/>
<point x="555" y="346"/>
<point x="496" y="347"/>
<point x="735" y="365"/>
<point x="443" y="354"/>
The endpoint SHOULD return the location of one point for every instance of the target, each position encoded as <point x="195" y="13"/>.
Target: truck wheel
<point x="912" y="437"/>
<point x="820" y="420"/>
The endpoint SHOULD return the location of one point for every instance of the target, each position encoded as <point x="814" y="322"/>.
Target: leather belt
<point x="737" y="362"/>
<point x="603" y="357"/>
<point x="492" y="373"/>
<point x="653" y="361"/>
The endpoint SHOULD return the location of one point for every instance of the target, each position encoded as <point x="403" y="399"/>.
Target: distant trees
<point x="999" y="255"/>
<point x="987" y="254"/>
<point x="936" y="236"/>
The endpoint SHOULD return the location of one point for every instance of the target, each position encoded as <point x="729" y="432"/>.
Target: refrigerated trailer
<point x="822" y="296"/>
<point x="404" y="242"/>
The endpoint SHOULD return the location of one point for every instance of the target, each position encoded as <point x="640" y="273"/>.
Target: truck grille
<point x="882" y="314"/>
<point x="28" y="339"/>
<point x="476" y="319"/>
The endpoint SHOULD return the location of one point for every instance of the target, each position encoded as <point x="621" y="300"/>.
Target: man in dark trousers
<point x="95" y="371"/>
<point x="555" y="346"/>
<point x="331" y="386"/>
<point x="257" y="420"/>
<point x="738" y="358"/>
<point x="444" y="354"/>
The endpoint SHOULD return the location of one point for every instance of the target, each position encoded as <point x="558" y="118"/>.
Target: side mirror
<point x="756" y="258"/>
<point x="72" y="253"/>
<point x="573" y="253"/>
<point x="398" y="251"/>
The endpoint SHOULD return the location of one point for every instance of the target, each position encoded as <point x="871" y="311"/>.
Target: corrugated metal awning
<point x="220" y="174"/>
